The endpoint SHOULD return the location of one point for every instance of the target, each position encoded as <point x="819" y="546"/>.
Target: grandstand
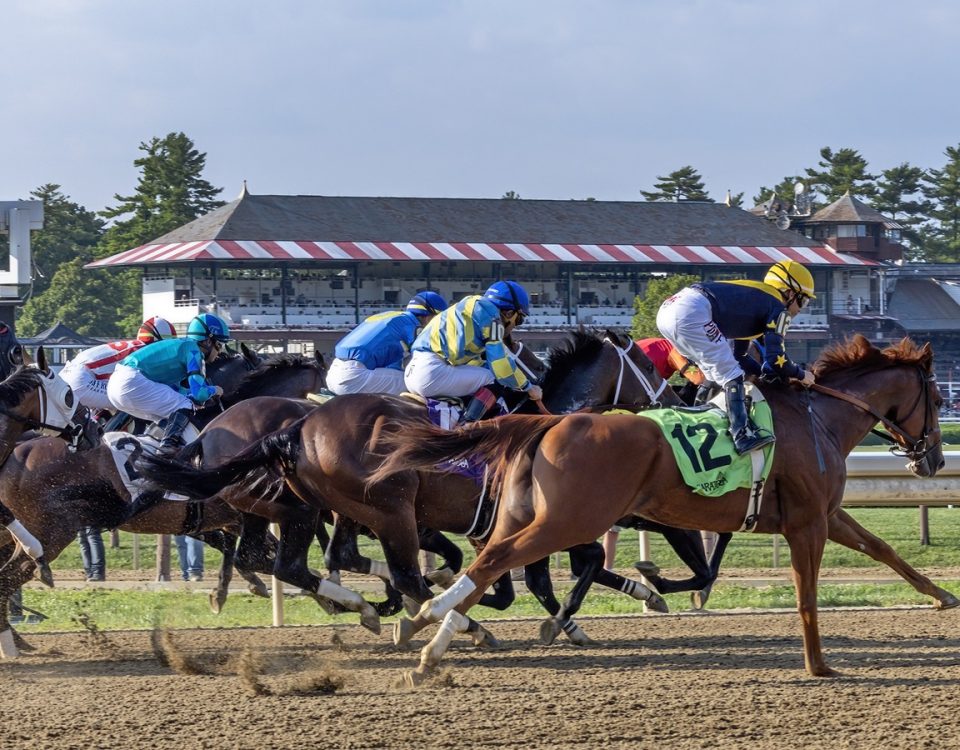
<point x="288" y="269"/>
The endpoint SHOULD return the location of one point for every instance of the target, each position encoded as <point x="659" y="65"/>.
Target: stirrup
<point x="748" y="440"/>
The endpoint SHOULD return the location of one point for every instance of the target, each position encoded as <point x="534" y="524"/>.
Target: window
<point x="852" y="230"/>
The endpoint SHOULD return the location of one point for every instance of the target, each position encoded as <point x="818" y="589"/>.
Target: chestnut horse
<point x="548" y="465"/>
<point x="325" y="460"/>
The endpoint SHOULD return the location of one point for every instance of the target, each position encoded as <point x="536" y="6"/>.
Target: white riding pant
<point x="349" y="376"/>
<point x="430" y="376"/>
<point x="686" y="320"/>
<point x="130" y="391"/>
<point x="88" y="391"/>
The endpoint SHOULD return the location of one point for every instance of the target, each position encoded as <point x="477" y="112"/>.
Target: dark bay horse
<point x="547" y="465"/>
<point x="54" y="492"/>
<point x="326" y="459"/>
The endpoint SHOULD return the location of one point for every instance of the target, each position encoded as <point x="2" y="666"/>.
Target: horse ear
<point x="42" y="360"/>
<point x="248" y="354"/>
<point x="319" y="358"/>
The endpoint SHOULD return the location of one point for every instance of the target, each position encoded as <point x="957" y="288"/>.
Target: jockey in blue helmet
<point x="462" y="352"/>
<point x="167" y="379"/>
<point x="369" y="359"/>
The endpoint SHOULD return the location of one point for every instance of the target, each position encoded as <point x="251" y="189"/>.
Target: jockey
<point x="87" y="373"/>
<point x="369" y="359"/>
<point x="166" y="380"/>
<point x="700" y="319"/>
<point x="461" y="351"/>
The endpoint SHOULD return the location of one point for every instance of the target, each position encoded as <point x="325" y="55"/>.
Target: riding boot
<point x="480" y="403"/>
<point x="746" y="436"/>
<point x="116" y="422"/>
<point x="172" y="440"/>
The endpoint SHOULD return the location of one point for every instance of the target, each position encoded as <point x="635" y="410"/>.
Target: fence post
<point x="644" y="542"/>
<point x="925" y="525"/>
<point x="163" y="557"/>
<point x="277" y="590"/>
<point x="136" y="552"/>
<point x="776" y="550"/>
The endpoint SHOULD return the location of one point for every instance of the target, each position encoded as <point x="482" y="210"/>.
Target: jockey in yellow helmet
<point x="701" y="319"/>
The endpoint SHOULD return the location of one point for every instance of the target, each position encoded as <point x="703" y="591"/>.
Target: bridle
<point x="56" y="398"/>
<point x="908" y="447"/>
<point x="625" y="360"/>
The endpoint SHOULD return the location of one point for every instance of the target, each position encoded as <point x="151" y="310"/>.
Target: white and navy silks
<point x="159" y="379"/>
<point x="701" y="321"/>
<point x="88" y="372"/>
<point x="369" y="359"/>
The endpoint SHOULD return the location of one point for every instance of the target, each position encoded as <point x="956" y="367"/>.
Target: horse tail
<point x="258" y="471"/>
<point x="191" y="453"/>
<point x="422" y="447"/>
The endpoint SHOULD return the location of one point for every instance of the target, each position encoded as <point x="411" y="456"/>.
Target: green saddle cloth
<point x="703" y="448"/>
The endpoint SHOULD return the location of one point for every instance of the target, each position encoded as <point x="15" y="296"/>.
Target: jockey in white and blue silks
<point x="167" y="379"/>
<point x="369" y="359"/>
<point x="89" y="372"/>
<point x="461" y="351"/>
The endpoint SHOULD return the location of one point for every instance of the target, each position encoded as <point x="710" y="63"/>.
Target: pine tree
<point x="943" y="189"/>
<point x="685" y="184"/>
<point x="899" y="196"/>
<point x="783" y="191"/>
<point x="845" y="170"/>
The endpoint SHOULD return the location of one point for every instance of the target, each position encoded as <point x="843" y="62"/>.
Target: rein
<point x="652" y="393"/>
<point x="914" y="449"/>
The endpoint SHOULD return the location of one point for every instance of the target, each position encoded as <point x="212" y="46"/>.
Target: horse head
<point x="287" y="375"/>
<point x="898" y="389"/>
<point x="11" y="352"/>
<point x="594" y="368"/>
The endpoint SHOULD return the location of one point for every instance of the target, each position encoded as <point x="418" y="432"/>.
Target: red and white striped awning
<point x="261" y="250"/>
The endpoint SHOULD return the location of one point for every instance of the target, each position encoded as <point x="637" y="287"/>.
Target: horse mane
<point x="583" y="345"/>
<point x="269" y="366"/>
<point x="857" y="353"/>
<point x="18" y="385"/>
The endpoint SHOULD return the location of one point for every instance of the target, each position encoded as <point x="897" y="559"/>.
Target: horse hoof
<point x="549" y="630"/>
<point x="657" y="603"/>
<point x="443" y="577"/>
<point x="578" y="638"/>
<point x="216" y="605"/>
<point x="410" y="605"/>
<point x="948" y="602"/>
<point x="403" y="632"/>
<point x="370" y="619"/>
<point x="415" y="678"/>
<point x="21" y="643"/>
<point x="647" y="568"/>
<point x="259" y="589"/>
<point x="387" y="608"/>
<point x="698" y="599"/>
<point x="483" y="638"/>
<point x="44" y="573"/>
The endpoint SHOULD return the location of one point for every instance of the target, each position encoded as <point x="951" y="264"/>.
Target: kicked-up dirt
<point x="667" y="681"/>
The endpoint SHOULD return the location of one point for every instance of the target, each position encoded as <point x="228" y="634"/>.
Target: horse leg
<point x="503" y="595"/>
<point x="689" y="547"/>
<point x="342" y="553"/>
<point x="226" y="544"/>
<point x="843" y="529"/>
<point x="698" y="599"/>
<point x="537" y="577"/>
<point x="632" y="588"/>
<point x="434" y="541"/>
<point x="806" y="552"/>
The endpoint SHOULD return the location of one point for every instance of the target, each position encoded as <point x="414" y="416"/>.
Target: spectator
<point x="190" y="553"/>
<point x="92" y="553"/>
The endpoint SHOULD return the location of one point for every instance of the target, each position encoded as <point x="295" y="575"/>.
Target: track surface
<point x="673" y="681"/>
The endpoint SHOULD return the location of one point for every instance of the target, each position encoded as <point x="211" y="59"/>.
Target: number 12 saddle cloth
<point x="702" y="446"/>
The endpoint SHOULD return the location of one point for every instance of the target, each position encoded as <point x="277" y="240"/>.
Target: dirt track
<point x="658" y="681"/>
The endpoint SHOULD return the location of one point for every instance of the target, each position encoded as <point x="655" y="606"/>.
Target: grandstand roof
<point x="923" y="304"/>
<point x="305" y="227"/>
<point x="847" y="209"/>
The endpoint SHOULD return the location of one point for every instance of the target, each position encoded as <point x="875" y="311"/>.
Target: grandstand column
<point x="283" y="294"/>
<point x="213" y="273"/>
<point x="568" y="282"/>
<point x="356" y="293"/>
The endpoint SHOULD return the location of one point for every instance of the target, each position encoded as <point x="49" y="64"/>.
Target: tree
<point x="899" y="196"/>
<point x="511" y="195"/>
<point x="170" y="192"/>
<point x="645" y="308"/>
<point x="845" y="170"/>
<point x="69" y="232"/>
<point x="685" y="184"/>
<point x="783" y="190"/>
<point x="734" y="200"/>
<point x="943" y="189"/>
<point x="91" y="302"/>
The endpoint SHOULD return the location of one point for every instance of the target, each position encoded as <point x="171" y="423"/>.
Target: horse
<point x="325" y="460"/>
<point x="546" y="465"/>
<point x="54" y="492"/>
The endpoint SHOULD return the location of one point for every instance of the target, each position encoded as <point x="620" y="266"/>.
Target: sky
<point x="553" y="99"/>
